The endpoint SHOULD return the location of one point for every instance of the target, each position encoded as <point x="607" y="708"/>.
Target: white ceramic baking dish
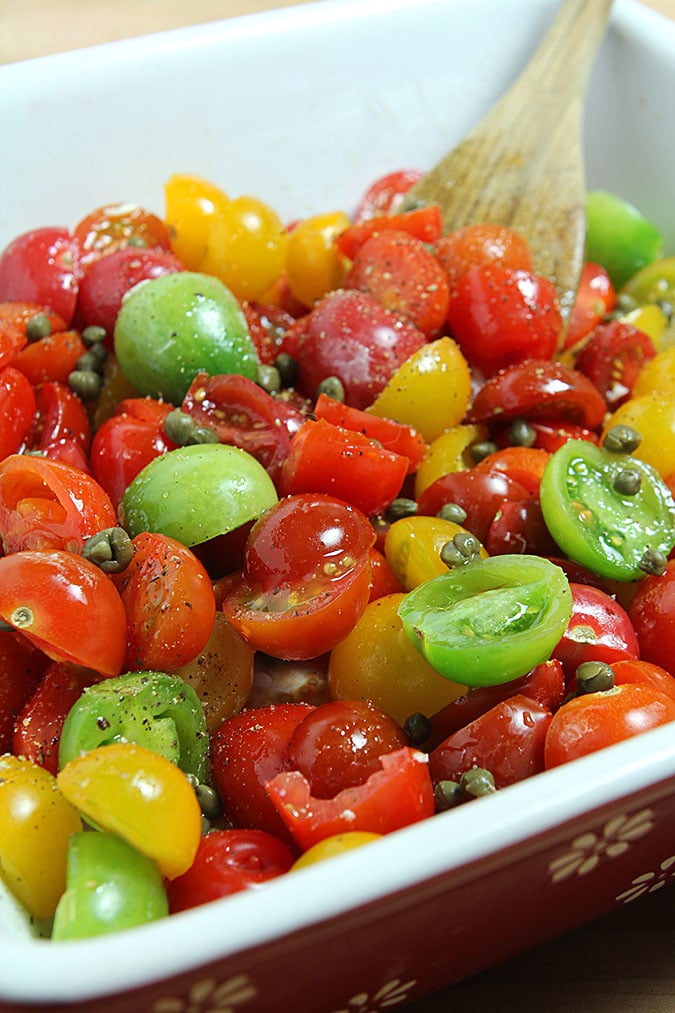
<point x="305" y="107"/>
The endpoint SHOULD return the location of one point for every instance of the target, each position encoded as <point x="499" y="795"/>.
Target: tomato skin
<point x="46" y="504"/>
<point x="500" y="317"/>
<point x="645" y="673"/>
<point x="524" y="465"/>
<point x="508" y="740"/>
<point x="60" y="418"/>
<point x="116" y="226"/>
<point x="51" y="597"/>
<point x="399" y="794"/>
<point x="17" y="410"/>
<point x="247" y="750"/>
<point x="394" y="436"/>
<point x="339" y="744"/>
<point x="339" y="462"/>
<point x="268" y="325"/>
<point x="596" y="296"/>
<point x="552" y="433"/>
<point x="652" y="613"/>
<point x="108" y="279"/>
<point x="538" y="388"/>
<point x="11" y="341"/>
<point x="593" y="721"/>
<point x="350" y="335"/>
<point x="386" y="193"/>
<point x="226" y="862"/>
<point x="383" y="580"/>
<point x="481" y="245"/>
<point x="612" y="357"/>
<point x="42" y="266"/>
<point x="425" y="223"/>
<point x="599" y="630"/>
<point x="37" y="731"/>
<point x="519" y="527"/>
<point x="169" y="602"/>
<point x="22" y="667"/>
<point x="400" y="272"/>
<point x="480" y="492"/>
<point x="51" y="358"/>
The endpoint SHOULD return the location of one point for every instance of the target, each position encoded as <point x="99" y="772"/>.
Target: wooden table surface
<point x="624" y="962"/>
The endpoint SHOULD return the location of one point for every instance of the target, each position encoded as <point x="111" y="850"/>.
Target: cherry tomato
<point x="524" y="465"/>
<point x="60" y="419"/>
<point x="481" y="492"/>
<point x="169" y="602"/>
<point x="17" y="410"/>
<point x="22" y="667"/>
<point x="508" y="740"/>
<point x="247" y="750"/>
<point x="46" y="504"/>
<point x="652" y="613"/>
<point x="399" y="271"/>
<point x="330" y="847"/>
<point x="612" y="358"/>
<point x="37" y="822"/>
<point x="393" y="436"/>
<point x="449" y="452"/>
<point x="306" y="577"/>
<point x="228" y="861"/>
<point x="339" y="744"/>
<point x="653" y="417"/>
<point x="108" y="280"/>
<point x="247" y="247"/>
<point x="54" y="598"/>
<point x="386" y="193"/>
<point x="51" y="358"/>
<point x="413" y="547"/>
<point x="500" y="317"/>
<point x="116" y="226"/>
<point x="520" y="527"/>
<point x="314" y="264"/>
<point x="618" y="236"/>
<point x="489" y="622"/>
<point x="376" y="661"/>
<point x="42" y="267"/>
<point x="481" y="245"/>
<point x="594" y="721"/>
<point x="350" y="335"/>
<point x="268" y="325"/>
<point x="424" y="223"/>
<point x="537" y="388"/>
<point x="552" y="433"/>
<point x="193" y="204"/>
<point x="595" y="298"/>
<point x="599" y="630"/>
<point x="137" y="794"/>
<point x="645" y="673"/>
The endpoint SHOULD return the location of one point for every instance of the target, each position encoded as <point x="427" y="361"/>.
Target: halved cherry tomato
<point x="399" y="794"/>
<point x="394" y="436"/>
<point x="11" y="341"/>
<point x="115" y="226"/>
<point x="481" y="245"/>
<point x="169" y="602"/>
<point x="612" y="356"/>
<point x="60" y="419"/>
<point x="552" y="433"/>
<point x="652" y="613"/>
<point x="645" y="673"/>
<point x="17" y="410"/>
<point x="22" y="667"/>
<point x="341" y="462"/>
<point x="594" y="721"/>
<point x="425" y="224"/>
<point x="481" y="492"/>
<point x="524" y="465"/>
<point x="595" y="297"/>
<point x="306" y="577"/>
<point x="65" y="606"/>
<point x="539" y="388"/>
<point x="46" y="504"/>
<point x="386" y="193"/>
<point x="51" y="358"/>
<point x="267" y="325"/>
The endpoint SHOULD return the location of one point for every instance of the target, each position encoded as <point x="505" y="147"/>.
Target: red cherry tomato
<point x="425" y="224"/>
<point x="645" y="673"/>
<point x="508" y="740"/>
<point x="268" y="325"/>
<point x="398" y="794"/>
<point x="595" y="298"/>
<point x="169" y="601"/>
<point x="652" y="613"/>
<point x="538" y="388"/>
<point x="42" y="267"/>
<point x="340" y="462"/>
<point x="306" y="577"/>
<point x="46" y="504"/>
<point x="60" y="417"/>
<point x="37" y="731"/>
<point x="481" y="245"/>
<point x="228" y="861"/>
<point x="394" y="436"/>
<point x="481" y="492"/>
<point x="247" y="750"/>
<point x="596" y="720"/>
<point x="340" y="743"/>
<point x="116" y="226"/>
<point x="612" y="357"/>
<point x="51" y="358"/>
<point x="383" y="580"/>
<point x="599" y="630"/>
<point x="500" y="317"/>
<point x="350" y="335"/>
<point x="17" y="410"/>
<point x="21" y="668"/>
<point x="552" y="433"/>
<point x="11" y="342"/>
<point x="66" y="607"/>
<point x="386" y="193"/>
<point x="520" y="527"/>
<point x="524" y="465"/>
<point x="18" y="313"/>
<point x="127" y="441"/>
<point x="107" y="281"/>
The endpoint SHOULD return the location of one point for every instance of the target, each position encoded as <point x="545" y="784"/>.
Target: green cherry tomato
<point x="490" y="622"/>
<point x="618" y="236"/>
<point x="606" y="510"/>
<point x="197" y="492"/>
<point x="151" y="709"/>
<point x="172" y="327"/>
<point x="110" y="886"/>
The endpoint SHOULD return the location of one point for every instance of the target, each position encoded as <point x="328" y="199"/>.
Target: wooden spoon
<point x="522" y="165"/>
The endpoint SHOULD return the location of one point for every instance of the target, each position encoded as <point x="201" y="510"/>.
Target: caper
<point x="179" y="427"/>
<point x="447" y="795"/>
<point x="287" y="368"/>
<point x="463" y="548"/>
<point x="86" y="383"/>
<point x="94" y="335"/>
<point x="401" y="507"/>
<point x="333" y="387"/>
<point x="653" y="562"/>
<point x="203" y="434"/>
<point x="522" y="434"/>
<point x="477" y="782"/>
<point x="479" y="451"/>
<point x="628" y="482"/>
<point x="418" y="728"/>
<point x="269" y="378"/>
<point x="594" y="677"/>
<point x="91" y="360"/>
<point x="452" y="512"/>
<point x="110" y="549"/>
<point x="621" y="439"/>
<point x="38" y="327"/>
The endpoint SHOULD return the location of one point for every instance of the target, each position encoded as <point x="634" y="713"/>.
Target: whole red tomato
<point x="599" y="630"/>
<point x="42" y="267"/>
<point x="652" y="613"/>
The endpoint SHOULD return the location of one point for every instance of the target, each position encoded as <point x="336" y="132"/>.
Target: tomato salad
<point x="310" y="531"/>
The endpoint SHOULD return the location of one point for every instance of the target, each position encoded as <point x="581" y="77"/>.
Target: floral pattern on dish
<point x="208" y="996"/>
<point x="587" y="850"/>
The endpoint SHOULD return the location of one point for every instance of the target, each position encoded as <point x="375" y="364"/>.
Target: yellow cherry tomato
<point x="657" y="376"/>
<point x="429" y="391"/>
<point x="247" y="247"/>
<point x="413" y="548"/>
<point x="650" y="319"/>
<point x="192" y="205"/>
<point x="447" y="453"/>
<point x="139" y="795"/>
<point x="332" y="846"/>
<point x="376" y="661"/>
<point x="314" y="265"/>
<point x="655" y="283"/>
<point x="36" y="822"/>
<point x="653" y="416"/>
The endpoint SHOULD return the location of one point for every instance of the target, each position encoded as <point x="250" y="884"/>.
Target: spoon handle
<point x="522" y="165"/>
